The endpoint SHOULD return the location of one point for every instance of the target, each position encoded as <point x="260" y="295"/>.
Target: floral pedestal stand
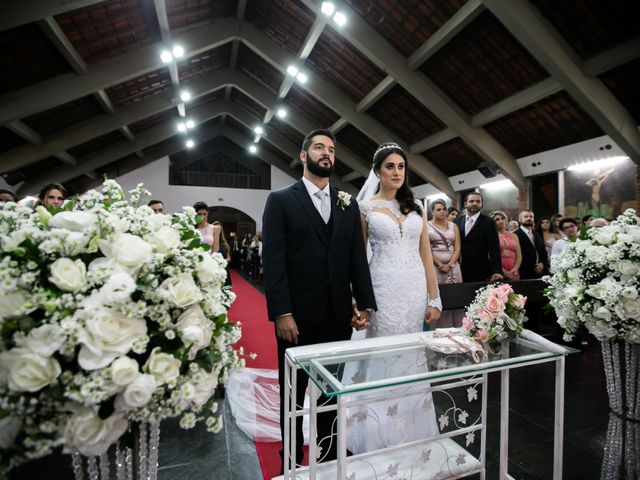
<point x="622" y="449"/>
<point x="140" y="462"/>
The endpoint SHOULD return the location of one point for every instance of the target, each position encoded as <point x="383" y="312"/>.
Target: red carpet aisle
<point x="257" y="337"/>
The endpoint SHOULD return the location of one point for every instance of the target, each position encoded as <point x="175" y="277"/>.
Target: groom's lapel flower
<point x="344" y="200"/>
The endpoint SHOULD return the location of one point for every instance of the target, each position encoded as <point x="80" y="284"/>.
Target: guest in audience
<point x="480" y="259"/>
<point x="535" y="261"/>
<point x="586" y="220"/>
<point x="444" y="238"/>
<point x="210" y="234"/>
<point x="549" y="234"/>
<point x="7" y="196"/>
<point x="510" y="254"/>
<point x="224" y="250"/>
<point x="452" y="213"/>
<point x="569" y="227"/>
<point x="555" y="221"/>
<point x="157" y="206"/>
<point x="52" y="195"/>
<point x="513" y="226"/>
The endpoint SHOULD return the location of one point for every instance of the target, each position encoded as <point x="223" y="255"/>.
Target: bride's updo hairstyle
<point x="404" y="195"/>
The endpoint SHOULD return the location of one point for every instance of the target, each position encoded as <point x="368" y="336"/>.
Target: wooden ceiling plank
<point x="533" y="31"/>
<point x="20" y="12"/>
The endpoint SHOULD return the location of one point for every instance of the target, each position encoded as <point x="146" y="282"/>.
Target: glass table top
<point x="354" y="366"/>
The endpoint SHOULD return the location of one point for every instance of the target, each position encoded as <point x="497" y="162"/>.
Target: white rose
<point x="163" y="366"/>
<point x="126" y="249"/>
<point x="118" y="288"/>
<point x="45" y="340"/>
<point x="12" y="304"/>
<point x="604" y="235"/>
<point x="137" y="394"/>
<point x="68" y="275"/>
<point x="600" y="330"/>
<point x="107" y="334"/>
<point x="629" y="292"/>
<point x="124" y="370"/>
<point x="194" y="328"/>
<point x="209" y="270"/>
<point x="634" y="231"/>
<point x="88" y="434"/>
<point x="571" y="291"/>
<point x="27" y="371"/>
<point x="628" y="268"/>
<point x="628" y="308"/>
<point x="164" y="239"/>
<point x="602" y="313"/>
<point x="204" y="389"/>
<point x="76" y="221"/>
<point x="595" y="253"/>
<point x="181" y="290"/>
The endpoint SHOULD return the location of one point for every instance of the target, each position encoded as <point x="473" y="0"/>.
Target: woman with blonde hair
<point x="509" y="246"/>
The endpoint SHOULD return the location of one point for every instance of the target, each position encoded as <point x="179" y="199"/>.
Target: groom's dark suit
<point x="311" y="270"/>
<point x="480" y="252"/>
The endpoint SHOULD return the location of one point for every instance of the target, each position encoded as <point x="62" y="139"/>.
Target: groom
<point x="314" y="263"/>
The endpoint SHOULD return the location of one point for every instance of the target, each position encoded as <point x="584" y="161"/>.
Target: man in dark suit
<point x="535" y="263"/>
<point x="314" y="261"/>
<point x="480" y="257"/>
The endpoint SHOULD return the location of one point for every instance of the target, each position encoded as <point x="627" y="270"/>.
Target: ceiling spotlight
<point x="185" y="96"/>
<point x="190" y="143"/>
<point x="190" y="124"/>
<point x="253" y="148"/>
<point x="281" y="113"/>
<point x="340" y="19"/>
<point x="178" y="51"/>
<point x="302" y="77"/>
<point x="166" y="56"/>
<point x="327" y="8"/>
<point x="182" y="127"/>
<point x="258" y="130"/>
<point x="292" y="70"/>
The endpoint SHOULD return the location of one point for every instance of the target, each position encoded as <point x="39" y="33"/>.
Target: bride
<point x="406" y="291"/>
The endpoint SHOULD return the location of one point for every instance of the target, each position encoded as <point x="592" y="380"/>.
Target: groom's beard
<point x="317" y="169"/>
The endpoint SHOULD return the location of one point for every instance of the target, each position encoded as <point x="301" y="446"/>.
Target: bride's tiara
<point x="387" y="146"/>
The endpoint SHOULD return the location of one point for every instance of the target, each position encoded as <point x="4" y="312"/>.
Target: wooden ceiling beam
<point x="548" y="47"/>
<point x="158" y="134"/>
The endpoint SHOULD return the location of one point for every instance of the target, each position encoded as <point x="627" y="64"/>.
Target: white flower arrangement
<point x="109" y="314"/>
<point x="344" y="200"/>
<point x="596" y="282"/>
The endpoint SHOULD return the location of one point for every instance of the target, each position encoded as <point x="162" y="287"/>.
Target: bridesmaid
<point x="549" y="234"/>
<point x="509" y="247"/>
<point x="444" y="238"/>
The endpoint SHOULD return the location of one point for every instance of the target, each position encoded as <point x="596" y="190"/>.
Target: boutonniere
<point x="344" y="200"/>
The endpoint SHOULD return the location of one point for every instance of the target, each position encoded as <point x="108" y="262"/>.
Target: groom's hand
<point x="287" y="329"/>
<point x="360" y="319"/>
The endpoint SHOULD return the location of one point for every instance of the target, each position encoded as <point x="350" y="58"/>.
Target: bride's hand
<point x="432" y="316"/>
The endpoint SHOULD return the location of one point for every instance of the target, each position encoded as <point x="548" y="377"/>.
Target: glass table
<point x="362" y="373"/>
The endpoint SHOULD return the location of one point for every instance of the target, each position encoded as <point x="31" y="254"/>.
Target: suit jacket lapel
<point x="336" y="214"/>
<point x="301" y="193"/>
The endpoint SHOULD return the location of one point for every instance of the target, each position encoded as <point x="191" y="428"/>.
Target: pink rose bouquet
<point x="495" y="314"/>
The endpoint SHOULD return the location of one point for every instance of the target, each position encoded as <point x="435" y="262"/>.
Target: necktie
<point x="325" y="208"/>
<point x="469" y="226"/>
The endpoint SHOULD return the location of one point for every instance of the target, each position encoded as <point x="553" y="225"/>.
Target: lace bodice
<point x="397" y="272"/>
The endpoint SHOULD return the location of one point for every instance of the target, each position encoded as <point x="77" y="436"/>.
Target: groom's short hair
<point x="306" y="143"/>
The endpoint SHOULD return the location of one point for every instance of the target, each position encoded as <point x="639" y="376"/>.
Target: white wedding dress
<point x="399" y="285"/>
